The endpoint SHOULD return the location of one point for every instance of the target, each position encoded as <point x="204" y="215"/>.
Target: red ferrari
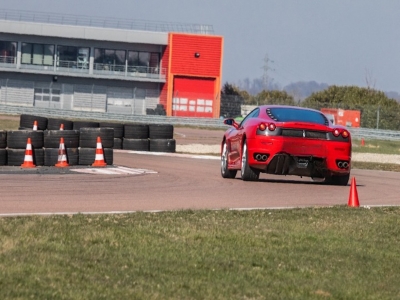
<point x="286" y="140"/>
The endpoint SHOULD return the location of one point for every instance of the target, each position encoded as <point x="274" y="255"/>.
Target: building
<point x="109" y="65"/>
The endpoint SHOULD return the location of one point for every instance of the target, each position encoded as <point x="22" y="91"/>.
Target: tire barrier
<point x="3" y="157"/>
<point x="118" y="128"/>
<point x="80" y="144"/>
<point x="136" y="144"/>
<point x="88" y="137"/>
<point x="117" y="143"/>
<point x="51" y="138"/>
<point x="51" y="156"/>
<point x="87" y="156"/>
<point x="84" y="124"/>
<point x="3" y="139"/>
<point x="16" y="139"/>
<point x="26" y="121"/>
<point x="162" y="145"/>
<point x="136" y="131"/>
<point x="161" y="131"/>
<point x="15" y="157"/>
<point x="55" y="124"/>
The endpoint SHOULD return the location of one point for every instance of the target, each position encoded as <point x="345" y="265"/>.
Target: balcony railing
<point x="46" y="65"/>
<point x="8" y="61"/>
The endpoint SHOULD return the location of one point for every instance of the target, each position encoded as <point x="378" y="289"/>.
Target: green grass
<point x="314" y="253"/>
<point x="377" y="146"/>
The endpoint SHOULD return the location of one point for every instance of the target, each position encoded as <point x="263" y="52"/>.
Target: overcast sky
<point x="342" y="42"/>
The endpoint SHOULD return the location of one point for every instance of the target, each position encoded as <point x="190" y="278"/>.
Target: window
<point x="283" y="114"/>
<point x="143" y="62"/>
<point x="45" y="94"/>
<point x="37" y="54"/>
<point x="109" y="59"/>
<point x="8" y="52"/>
<point x="73" y="57"/>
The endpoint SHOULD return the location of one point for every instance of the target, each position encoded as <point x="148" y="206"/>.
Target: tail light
<point x="262" y="126"/>
<point x="343" y="132"/>
<point x="271" y="126"/>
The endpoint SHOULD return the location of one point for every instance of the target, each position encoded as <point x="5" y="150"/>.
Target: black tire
<point x="136" y="144"/>
<point x="17" y="139"/>
<point x="117" y="143"/>
<point x="247" y="173"/>
<point x="3" y="138"/>
<point x="118" y="128"/>
<point x="16" y="157"/>
<point x="225" y="172"/>
<point x="3" y="157"/>
<point x="88" y="137"/>
<point x="51" y="138"/>
<point x="163" y="145"/>
<point x="161" y="131"/>
<point x="87" y="156"/>
<point x="84" y="124"/>
<point x="51" y="156"/>
<point x="55" y="124"/>
<point x="338" y="180"/>
<point x="136" y="131"/>
<point x="26" y="121"/>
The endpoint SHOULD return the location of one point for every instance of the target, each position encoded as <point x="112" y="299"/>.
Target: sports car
<point x="286" y="140"/>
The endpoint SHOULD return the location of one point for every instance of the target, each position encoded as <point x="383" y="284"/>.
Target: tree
<point x="377" y="110"/>
<point x="273" y="97"/>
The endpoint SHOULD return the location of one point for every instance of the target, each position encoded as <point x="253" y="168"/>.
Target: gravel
<point x="364" y="157"/>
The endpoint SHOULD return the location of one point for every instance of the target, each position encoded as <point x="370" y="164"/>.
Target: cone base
<point x="99" y="164"/>
<point x="62" y="165"/>
<point x="28" y="165"/>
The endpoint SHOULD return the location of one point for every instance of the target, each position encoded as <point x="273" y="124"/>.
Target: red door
<point x="193" y="97"/>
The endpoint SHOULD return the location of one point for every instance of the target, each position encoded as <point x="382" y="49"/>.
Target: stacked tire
<point x="3" y="146"/>
<point x="27" y="122"/>
<point x="118" y="132"/>
<point x="88" y="143"/>
<point x="51" y="143"/>
<point x="136" y="137"/>
<point x="16" y="145"/>
<point x="162" y="138"/>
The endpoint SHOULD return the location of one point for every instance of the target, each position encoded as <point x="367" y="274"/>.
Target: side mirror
<point x="231" y="122"/>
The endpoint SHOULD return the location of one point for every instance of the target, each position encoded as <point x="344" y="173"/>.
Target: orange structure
<point x="193" y="79"/>
<point x="350" y="118"/>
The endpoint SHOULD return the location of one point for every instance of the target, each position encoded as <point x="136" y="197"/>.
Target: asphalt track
<point x="149" y="182"/>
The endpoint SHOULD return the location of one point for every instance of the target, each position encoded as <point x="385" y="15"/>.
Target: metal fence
<point x="357" y="133"/>
<point x="79" y="20"/>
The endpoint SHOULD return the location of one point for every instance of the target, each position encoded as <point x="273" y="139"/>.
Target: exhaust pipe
<point x="264" y="157"/>
<point x="258" y="157"/>
<point x="345" y="165"/>
<point x="340" y="164"/>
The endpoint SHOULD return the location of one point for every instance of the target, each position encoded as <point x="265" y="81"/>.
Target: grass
<point x="314" y="253"/>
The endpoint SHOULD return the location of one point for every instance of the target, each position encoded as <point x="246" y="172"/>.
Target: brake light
<point x="345" y="134"/>
<point x="262" y="126"/>
<point x="271" y="126"/>
<point x="336" y="132"/>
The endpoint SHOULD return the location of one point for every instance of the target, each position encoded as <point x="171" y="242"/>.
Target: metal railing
<point x="103" y="22"/>
<point x="73" y="67"/>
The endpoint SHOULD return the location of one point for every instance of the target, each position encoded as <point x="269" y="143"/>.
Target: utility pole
<point x="266" y="68"/>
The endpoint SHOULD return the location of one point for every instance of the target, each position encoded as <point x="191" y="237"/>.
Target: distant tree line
<point x="377" y="110"/>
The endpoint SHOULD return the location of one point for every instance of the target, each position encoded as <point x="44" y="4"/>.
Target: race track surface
<point x="148" y="182"/>
<point x="153" y="181"/>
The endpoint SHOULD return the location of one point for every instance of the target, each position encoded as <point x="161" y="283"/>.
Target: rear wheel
<point x="248" y="174"/>
<point x="225" y="172"/>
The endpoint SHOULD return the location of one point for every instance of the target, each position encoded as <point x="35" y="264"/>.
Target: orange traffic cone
<point x="362" y="142"/>
<point x="28" y="160"/>
<point x="353" y="197"/>
<point x="35" y="125"/>
<point x="62" y="127"/>
<point x="99" y="160"/>
<point x="62" y="156"/>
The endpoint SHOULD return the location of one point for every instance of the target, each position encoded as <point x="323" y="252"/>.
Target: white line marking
<point x="114" y="171"/>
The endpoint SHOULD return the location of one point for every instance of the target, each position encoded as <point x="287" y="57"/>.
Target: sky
<point x="337" y="42"/>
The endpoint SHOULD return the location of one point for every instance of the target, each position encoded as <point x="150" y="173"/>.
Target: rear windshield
<point x="289" y="114"/>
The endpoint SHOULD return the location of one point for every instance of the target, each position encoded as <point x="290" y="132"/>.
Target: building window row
<point x="72" y="57"/>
